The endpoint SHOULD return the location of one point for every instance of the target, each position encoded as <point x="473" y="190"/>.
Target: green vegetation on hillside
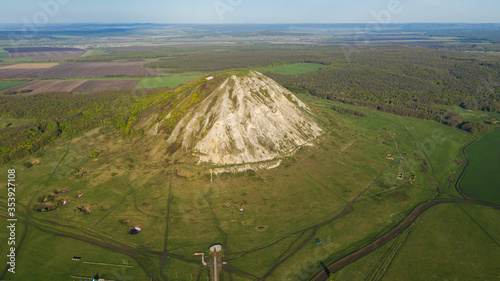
<point x="136" y="174"/>
<point x="63" y="113"/>
<point x="11" y="122"/>
<point x="4" y="54"/>
<point x="167" y="82"/>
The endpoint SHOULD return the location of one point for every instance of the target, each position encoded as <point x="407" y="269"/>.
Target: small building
<point x="135" y="230"/>
<point x="399" y="176"/>
<point x="79" y="195"/>
<point x="389" y="157"/>
<point x="319" y="241"/>
<point x="210" y="78"/>
<point x="76" y="258"/>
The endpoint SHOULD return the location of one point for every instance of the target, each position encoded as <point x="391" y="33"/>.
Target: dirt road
<point x="389" y="236"/>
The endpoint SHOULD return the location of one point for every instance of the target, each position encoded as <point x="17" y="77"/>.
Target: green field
<point x="454" y="235"/>
<point x="343" y="188"/>
<point x="118" y="272"/>
<point x="4" y="85"/>
<point x="293" y="69"/>
<point x="310" y="187"/>
<point x="481" y="180"/>
<point x="461" y="236"/>
<point x="100" y="52"/>
<point x="168" y="81"/>
<point x="472" y="115"/>
<point x="4" y="54"/>
<point x="44" y="250"/>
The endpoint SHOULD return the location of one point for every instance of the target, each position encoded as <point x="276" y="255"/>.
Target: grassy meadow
<point x="37" y="252"/>
<point x="132" y="182"/>
<point x="461" y="236"/>
<point x="462" y="244"/>
<point x="170" y="81"/>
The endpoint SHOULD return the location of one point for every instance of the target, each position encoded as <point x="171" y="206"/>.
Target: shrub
<point x="475" y="127"/>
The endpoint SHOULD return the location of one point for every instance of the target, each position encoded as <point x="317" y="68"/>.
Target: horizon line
<point x="253" y="23"/>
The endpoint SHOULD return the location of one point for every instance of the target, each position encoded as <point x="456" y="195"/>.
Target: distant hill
<point x="236" y="118"/>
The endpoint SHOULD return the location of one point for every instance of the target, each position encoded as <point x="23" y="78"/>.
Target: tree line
<point x="62" y="113"/>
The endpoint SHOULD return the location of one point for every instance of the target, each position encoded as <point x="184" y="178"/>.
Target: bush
<point x="475" y="127"/>
<point x="49" y="198"/>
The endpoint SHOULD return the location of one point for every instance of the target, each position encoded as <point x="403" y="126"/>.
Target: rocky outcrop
<point x="246" y="119"/>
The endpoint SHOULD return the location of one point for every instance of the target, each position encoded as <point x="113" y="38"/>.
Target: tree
<point x="475" y="127"/>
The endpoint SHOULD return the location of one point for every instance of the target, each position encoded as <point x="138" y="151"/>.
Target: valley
<point x="301" y="162"/>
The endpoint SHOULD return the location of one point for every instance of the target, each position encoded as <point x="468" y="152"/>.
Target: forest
<point x="401" y="80"/>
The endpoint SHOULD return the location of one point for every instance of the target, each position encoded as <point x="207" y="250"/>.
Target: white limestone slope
<point x="246" y="120"/>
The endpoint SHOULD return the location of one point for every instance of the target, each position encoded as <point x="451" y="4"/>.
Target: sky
<point x="249" y="11"/>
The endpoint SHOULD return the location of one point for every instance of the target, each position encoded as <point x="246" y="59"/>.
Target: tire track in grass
<point x="132" y="190"/>
<point x="302" y="231"/>
<point x="419" y="210"/>
<point x="389" y="256"/>
<point x="126" y="250"/>
<point x="244" y="253"/>
<point x="28" y="206"/>
<point x="401" y="159"/>
<point x="347" y="209"/>
<point x="425" y="156"/>
<point x="217" y="224"/>
<point x="233" y="269"/>
<point x="291" y="245"/>
<point x="480" y="226"/>
<point x="139" y="209"/>
<point x="23" y="236"/>
<point x="165" y="244"/>
<point x="101" y="241"/>
<point x="198" y="278"/>
<point x="50" y="176"/>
